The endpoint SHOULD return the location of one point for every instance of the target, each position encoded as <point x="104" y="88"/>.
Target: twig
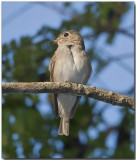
<point x="123" y="31"/>
<point x="69" y="88"/>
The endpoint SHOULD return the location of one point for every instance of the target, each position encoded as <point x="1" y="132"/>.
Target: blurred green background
<point x="98" y="130"/>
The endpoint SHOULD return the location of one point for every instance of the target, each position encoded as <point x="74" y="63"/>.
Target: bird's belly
<point x="69" y="72"/>
<point x="65" y="104"/>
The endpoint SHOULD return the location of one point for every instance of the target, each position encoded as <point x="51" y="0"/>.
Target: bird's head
<point x="69" y="38"/>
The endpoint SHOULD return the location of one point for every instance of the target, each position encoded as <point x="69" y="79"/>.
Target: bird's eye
<point x="66" y="34"/>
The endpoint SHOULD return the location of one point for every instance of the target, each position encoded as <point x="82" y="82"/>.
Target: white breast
<point x="74" y="66"/>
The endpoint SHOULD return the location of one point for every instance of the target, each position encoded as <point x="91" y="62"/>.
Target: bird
<point x="69" y="63"/>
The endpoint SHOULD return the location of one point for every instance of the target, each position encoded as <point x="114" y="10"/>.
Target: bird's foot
<point x="74" y="82"/>
<point x="70" y="82"/>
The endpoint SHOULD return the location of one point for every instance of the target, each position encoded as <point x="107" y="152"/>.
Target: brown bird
<point x="70" y="62"/>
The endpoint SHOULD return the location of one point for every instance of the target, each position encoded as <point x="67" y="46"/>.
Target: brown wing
<point x="75" y="107"/>
<point x="54" y="103"/>
<point x="53" y="95"/>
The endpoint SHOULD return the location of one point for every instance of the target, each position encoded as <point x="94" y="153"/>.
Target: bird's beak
<point x="54" y="41"/>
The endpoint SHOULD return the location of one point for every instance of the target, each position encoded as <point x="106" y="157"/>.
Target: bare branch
<point x="58" y="9"/>
<point x="123" y="31"/>
<point x="69" y="88"/>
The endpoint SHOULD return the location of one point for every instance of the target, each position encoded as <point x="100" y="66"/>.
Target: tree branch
<point x="69" y="88"/>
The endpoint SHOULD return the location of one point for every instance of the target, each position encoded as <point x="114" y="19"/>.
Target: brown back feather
<point x="53" y="95"/>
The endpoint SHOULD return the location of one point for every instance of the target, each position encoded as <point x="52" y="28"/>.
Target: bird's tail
<point x="63" y="127"/>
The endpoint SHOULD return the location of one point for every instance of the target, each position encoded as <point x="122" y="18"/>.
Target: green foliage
<point x="27" y="61"/>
